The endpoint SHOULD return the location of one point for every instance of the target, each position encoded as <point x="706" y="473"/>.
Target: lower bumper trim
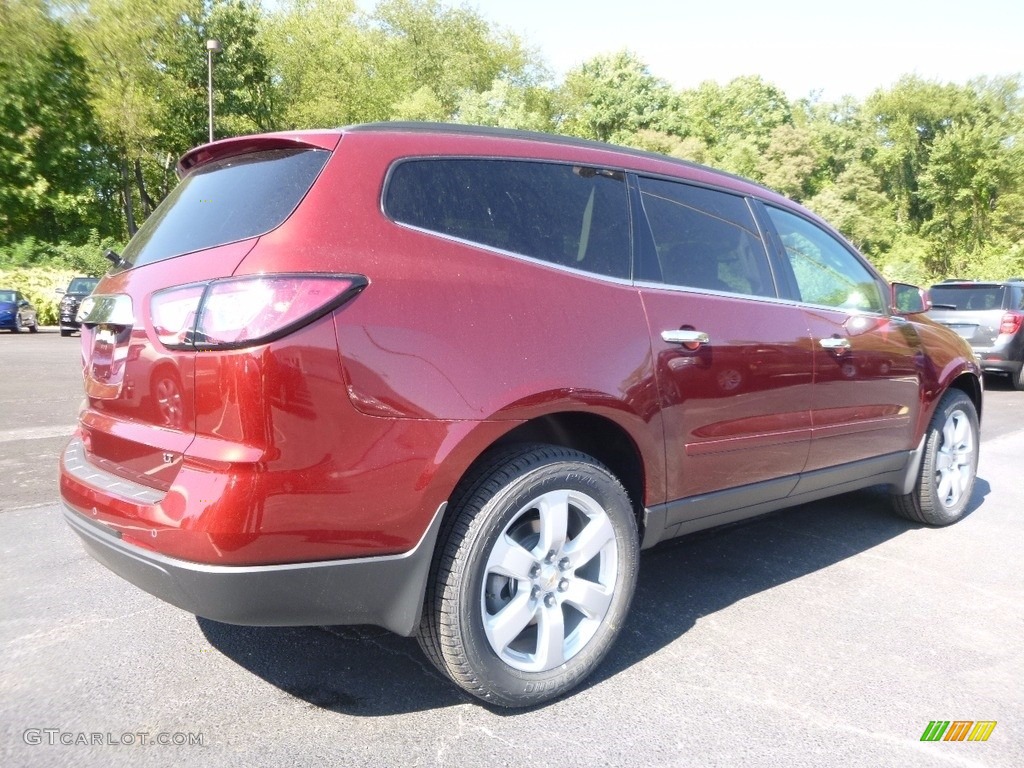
<point x="384" y="591"/>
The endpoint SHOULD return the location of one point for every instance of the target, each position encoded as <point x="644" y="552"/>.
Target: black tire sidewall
<point x="506" y="684"/>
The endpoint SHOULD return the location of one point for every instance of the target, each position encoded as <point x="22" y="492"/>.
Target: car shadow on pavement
<point x="370" y="672"/>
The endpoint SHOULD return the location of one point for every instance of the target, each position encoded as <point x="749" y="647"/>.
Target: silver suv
<point x="990" y="316"/>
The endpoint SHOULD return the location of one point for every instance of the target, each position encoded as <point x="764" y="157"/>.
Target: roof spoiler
<point x="242" y="145"/>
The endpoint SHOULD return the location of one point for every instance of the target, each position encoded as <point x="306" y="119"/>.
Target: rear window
<point x="225" y="201"/>
<point x="967" y="297"/>
<point x="570" y="215"/>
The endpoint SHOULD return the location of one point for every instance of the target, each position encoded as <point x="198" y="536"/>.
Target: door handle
<point x="835" y="344"/>
<point x="692" y="339"/>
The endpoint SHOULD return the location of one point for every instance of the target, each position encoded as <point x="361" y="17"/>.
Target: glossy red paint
<point x="735" y="409"/>
<point x="341" y="440"/>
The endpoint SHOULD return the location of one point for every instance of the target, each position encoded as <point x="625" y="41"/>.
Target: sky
<point x="801" y="46"/>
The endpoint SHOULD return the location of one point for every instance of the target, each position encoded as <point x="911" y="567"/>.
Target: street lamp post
<point x="212" y="46"/>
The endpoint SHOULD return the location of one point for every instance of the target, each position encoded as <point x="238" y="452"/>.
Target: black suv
<point x="78" y="289"/>
<point x="991" y="317"/>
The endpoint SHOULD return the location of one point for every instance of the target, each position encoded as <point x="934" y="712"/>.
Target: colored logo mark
<point x="958" y="730"/>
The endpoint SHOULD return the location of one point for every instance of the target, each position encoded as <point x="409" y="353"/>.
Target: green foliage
<point x="409" y="60"/>
<point x="39" y="285"/>
<point x="507" y="104"/>
<point x="51" y="162"/>
<point x="612" y="97"/>
<point x="86" y="259"/>
<point x="98" y="100"/>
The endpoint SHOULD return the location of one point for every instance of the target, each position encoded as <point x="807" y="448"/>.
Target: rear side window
<point x="225" y="201"/>
<point x="705" y="239"/>
<point x="967" y="297"/>
<point x="574" y="216"/>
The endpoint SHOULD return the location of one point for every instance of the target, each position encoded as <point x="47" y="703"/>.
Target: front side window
<point x="705" y="239"/>
<point x="570" y="215"/>
<point x="226" y="201"/>
<point x="826" y="272"/>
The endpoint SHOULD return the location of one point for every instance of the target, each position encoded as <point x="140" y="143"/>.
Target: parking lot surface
<point x="830" y="634"/>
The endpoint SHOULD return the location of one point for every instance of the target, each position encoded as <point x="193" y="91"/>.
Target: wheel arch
<point x="598" y="436"/>
<point x="971" y="386"/>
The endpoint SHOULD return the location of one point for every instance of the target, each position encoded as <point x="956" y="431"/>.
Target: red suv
<point x="450" y="381"/>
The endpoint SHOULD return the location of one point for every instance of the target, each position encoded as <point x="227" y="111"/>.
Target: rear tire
<point x="533" y="576"/>
<point x="1017" y="379"/>
<point x="949" y="467"/>
<point x="65" y="333"/>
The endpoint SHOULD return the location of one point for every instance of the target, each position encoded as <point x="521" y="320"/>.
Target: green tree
<point x="327" y="65"/>
<point x="611" y="98"/>
<point x="241" y="74"/>
<point x="735" y="121"/>
<point x="789" y="161"/>
<point x="408" y="59"/>
<point x="52" y="175"/>
<point x="507" y="105"/>
<point x="449" y="50"/>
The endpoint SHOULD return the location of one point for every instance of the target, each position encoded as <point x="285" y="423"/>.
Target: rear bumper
<point x="384" y="591"/>
<point x="1000" y="366"/>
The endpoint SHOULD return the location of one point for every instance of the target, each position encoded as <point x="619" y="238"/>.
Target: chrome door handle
<point x="835" y="344"/>
<point x="685" y="337"/>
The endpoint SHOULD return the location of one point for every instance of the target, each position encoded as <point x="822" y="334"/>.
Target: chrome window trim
<point x="520" y="256"/>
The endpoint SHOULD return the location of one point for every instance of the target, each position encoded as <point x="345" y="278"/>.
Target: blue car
<point x="16" y="313"/>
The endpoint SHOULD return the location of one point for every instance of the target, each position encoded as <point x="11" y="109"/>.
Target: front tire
<point x="534" y="577"/>
<point x="949" y="466"/>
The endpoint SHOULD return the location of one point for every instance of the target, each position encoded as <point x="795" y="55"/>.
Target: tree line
<point x="98" y="99"/>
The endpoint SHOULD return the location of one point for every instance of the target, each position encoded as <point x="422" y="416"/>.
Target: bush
<point x="38" y="269"/>
<point x="85" y="259"/>
<point x="39" y="285"/>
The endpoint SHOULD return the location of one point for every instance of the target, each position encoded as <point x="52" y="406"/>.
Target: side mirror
<point x="59" y="291"/>
<point x="909" y="299"/>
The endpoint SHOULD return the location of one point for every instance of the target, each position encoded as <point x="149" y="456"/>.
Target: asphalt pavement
<point x="831" y="634"/>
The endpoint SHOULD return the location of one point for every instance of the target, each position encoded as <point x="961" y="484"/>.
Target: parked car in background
<point x="16" y="312"/>
<point x="451" y="380"/>
<point x="78" y="289"/>
<point x="990" y="316"/>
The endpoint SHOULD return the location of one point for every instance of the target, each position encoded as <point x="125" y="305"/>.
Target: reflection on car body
<point x="451" y="380"/>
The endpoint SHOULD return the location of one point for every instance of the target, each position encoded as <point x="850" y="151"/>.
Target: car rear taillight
<point x="1011" y="322"/>
<point x="243" y="311"/>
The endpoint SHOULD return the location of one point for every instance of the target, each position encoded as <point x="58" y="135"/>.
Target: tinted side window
<point x="225" y="201"/>
<point x="705" y="239"/>
<point x="826" y="272"/>
<point x="574" y="216"/>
